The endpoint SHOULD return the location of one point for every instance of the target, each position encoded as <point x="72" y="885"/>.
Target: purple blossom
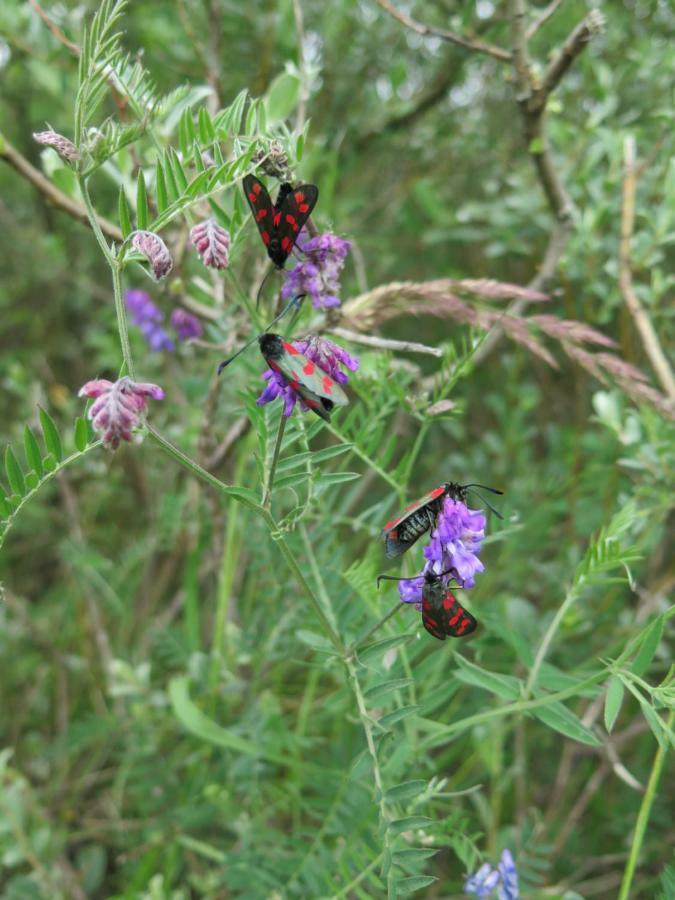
<point x="504" y="878"/>
<point x="212" y="243"/>
<point x="155" y="251"/>
<point x="118" y="406"/>
<point x="454" y="544"/>
<point x="185" y="324"/>
<point x="327" y="356"/>
<point x="318" y="275"/>
<point x="64" y="147"/>
<point x="147" y="317"/>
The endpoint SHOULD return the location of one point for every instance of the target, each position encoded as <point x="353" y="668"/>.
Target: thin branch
<point x="568" y="52"/>
<point x="51" y="193"/>
<point x="450" y="36"/>
<point x="302" y="68"/>
<point x="642" y="321"/>
<point x="543" y="18"/>
<point x="55" y="30"/>
<point x="385" y="343"/>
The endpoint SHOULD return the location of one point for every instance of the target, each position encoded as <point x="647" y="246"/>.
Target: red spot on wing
<point x="289" y="348"/>
<point x="299" y="197"/>
<point x="273" y="365"/>
<point x="260" y="214"/>
<point x="448" y="601"/>
<point x="286" y="244"/>
<point x="436" y="492"/>
<point x="327" y="384"/>
<point x="309" y="367"/>
<point x="265" y="236"/>
<point x="463" y="625"/>
<point x="303" y="208"/>
<point x="276" y="219"/>
<point x="453" y="620"/>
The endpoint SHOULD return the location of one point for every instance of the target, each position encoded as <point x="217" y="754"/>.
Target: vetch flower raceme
<point x="505" y="878"/>
<point x="318" y="275"/>
<point x="185" y="324"/>
<point x="454" y="545"/>
<point x="64" y="147"/>
<point x="155" y="251"/>
<point x="118" y="406"/>
<point x="327" y="356"/>
<point x="146" y="316"/>
<point x="212" y="243"/>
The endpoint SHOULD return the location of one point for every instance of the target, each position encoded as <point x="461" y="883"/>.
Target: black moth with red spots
<point x="319" y="391"/>
<point x="280" y="223"/>
<point x="417" y="518"/>
<point x="442" y="615"/>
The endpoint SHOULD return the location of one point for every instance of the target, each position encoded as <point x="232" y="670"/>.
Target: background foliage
<point x="175" y="718"/>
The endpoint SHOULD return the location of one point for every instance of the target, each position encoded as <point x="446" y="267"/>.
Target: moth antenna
<point x="487" y="502"/>
<point x="295" y="301"/>
<point x="484" y="487"/>
<point x="388" y="578"/>
<point x="262" y="285"/>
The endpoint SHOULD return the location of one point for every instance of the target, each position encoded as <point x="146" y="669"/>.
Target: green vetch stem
<point x="93" y="221"/>
<point x="121" y="313"/>
<point x="547" y="639"/>
<point x="359" y="642"/>
<point x="269" y="482"/>
<point x="644" y="813"/>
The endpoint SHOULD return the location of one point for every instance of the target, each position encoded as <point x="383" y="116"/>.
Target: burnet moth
<point x="280" y="223"/>
<point x="318" y="390"/>
<point x="442" y="615"/>
<point x="400" y="534"/>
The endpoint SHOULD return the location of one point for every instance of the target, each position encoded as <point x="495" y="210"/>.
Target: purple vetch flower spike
<point x="483" y="882"/>
<point x="212" y="243"/>
<point x="185" y="324"/>
<point x="147" y="317"/>
<point x="318" y="275"/>
<point x="456" y="542"/>
<point x="155" y="251"/>
<point x="410" y="590"/>
<point x="118" y="406"/>
<point x="508" y="886"/>
<point x="327" y="356"/>
<point x="64" y="147"/>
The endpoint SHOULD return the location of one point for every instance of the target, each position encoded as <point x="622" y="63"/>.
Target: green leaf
<point x="32" y="451"/>
<point x="124" y="213"/>
<point x="178" y="170"/>
<point x="375" y="650"/>
<point x="282" y="97"/>
<point x="14" y="473"/>
<point x="406" y="791"/>
<point x="142" y="216"/>
<point x="81" y="433"/>
<point x="198" y="723"/>
<point x="300" y="146"/>
<point x="413" y="855"/>
<point x="408" y="823"/>
<point x="246" y="495"/>
<point x="398" y="715"/>
<point x="5" y="506"/>
<point x="160" y="186"/>
<point x="32" y="481"/>
<point x="505" y="686"/>
<point x="330" y="452"/>
<point x="315" y="641"/>
<point x="650" y="642"/>
<point x="613" y="701"/>
<point x="327" y="478"/>
<point x="49" y="463"/>
<point x="292" y="462"/>
<point x="376" y="693"/>
<point x="561" y="719"/>
<point x="655" y="722"/>
<point x="51" y="436"/>
<point x="206" y="130"/>
<point x="407" y="886"/>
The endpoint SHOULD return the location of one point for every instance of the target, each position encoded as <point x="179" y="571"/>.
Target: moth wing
<point x="412" y="508"/>
<point x="457" y="621"/>
<point x="292" y="213"/>
<point x="260" y="204"/>
<point x="319" y="391"/>
<point x="431" y="618"/>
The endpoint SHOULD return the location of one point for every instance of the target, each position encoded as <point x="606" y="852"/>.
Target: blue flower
<point x="455" y="543"/>
<point x="147" y="317"/>
<point x="504" y="878"/>
<point x="185" y="324"/>
<point x="318" y="275"/>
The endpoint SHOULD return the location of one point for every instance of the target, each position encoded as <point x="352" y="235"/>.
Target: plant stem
<point x="93" y="221"/>
<point x="371" y="631"/>
<point x="546" y="641"/>
<point x="121" y="313"/>
<point x="644" y="813"/>
<point x="269" y="481"/>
